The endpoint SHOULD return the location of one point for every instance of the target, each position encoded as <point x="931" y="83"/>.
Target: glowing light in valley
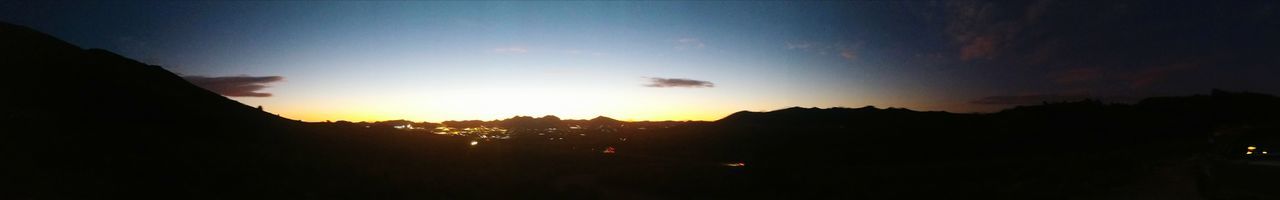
<point x="1249" y="150"/>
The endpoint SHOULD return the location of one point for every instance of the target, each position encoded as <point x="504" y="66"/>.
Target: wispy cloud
<point x="689" y="43"/>
<point x="848" y="51"/>
<point x="848" y="54"/>
<point x="235" y="86"/>
<point x="678" y="82"/>
<point x="799" y="45"/>
<point x="581" y="52"/>
<point x="511" y="50"/>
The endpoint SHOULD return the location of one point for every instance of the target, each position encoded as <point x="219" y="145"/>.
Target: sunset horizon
<point x="437" y="61"/>
<point x="934" y="99"/>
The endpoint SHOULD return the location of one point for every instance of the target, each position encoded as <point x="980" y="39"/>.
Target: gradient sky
<point x="434" y="61"/>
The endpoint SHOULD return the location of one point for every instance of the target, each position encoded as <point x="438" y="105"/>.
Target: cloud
<point x="986" y="30"/>
<point x="678" y="82"/>
<point x="980" y="47"/>
<point x="1117" y="34"/>
<point x="848" y="54"/>
<point x="1027" y="99"/>
<point x="799" y="45"/>
<point x="581" y="52"/>
<point x="846" y="50"/>
<point x="512" y="50"/>
<point x="1108" y="47"/>
<point x="235" y="86"/>
<point x="689" y="43"/>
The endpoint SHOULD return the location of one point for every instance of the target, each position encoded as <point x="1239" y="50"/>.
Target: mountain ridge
<point x="61" y="81"/>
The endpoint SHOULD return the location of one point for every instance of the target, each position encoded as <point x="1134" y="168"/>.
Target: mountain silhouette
<point x="100" y="123"/>
<point x="604" y="120"/>
<point x="800" y="116"/>
<point x="1081" y="146"/>
<point x="53" y="80"/>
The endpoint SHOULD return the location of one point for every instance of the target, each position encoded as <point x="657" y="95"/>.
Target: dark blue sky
<point x="677" y="60"/>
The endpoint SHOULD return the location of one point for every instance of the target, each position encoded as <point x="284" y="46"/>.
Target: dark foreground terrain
<point x="90" y="124"/>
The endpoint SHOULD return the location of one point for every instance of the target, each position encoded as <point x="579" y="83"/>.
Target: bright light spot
<point x="1248" y="153"/>
<point x="1264" y="152"/>
<point x="609" y="150"/>
<point x="737" y="164"/>
<point x="1252" y="148"/>
<point x="474" y="143"/>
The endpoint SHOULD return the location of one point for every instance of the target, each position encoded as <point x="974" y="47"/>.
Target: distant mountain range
<point x="1219" y="105"/>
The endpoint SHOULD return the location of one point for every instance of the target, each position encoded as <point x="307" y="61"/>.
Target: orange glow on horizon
<point x="503" y="104"/>
<point x="312" y="117"/>
<point x="626" y="104"/>
<point x="355" y="116"/>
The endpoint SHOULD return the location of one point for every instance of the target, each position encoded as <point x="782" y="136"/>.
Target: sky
<point x="672" y="60"/>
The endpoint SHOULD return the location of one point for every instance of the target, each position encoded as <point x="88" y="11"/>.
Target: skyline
<point x="438" y="61"/>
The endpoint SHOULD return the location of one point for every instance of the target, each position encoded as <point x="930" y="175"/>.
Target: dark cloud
<point x="1027" y="99"/>
<point x="1108" y="33"/>
<point x="1121" y="47"/>
<point x="235" y="86"/>
<point x="678" y="82"/>
<point x="847" y="50"/>
<point x="849" y="54"/>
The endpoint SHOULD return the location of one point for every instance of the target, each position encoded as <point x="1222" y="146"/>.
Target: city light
<point x="1249" y="150"/>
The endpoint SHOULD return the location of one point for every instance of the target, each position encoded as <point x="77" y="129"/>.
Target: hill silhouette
<point x="1093" y="144"/>
<point x="92" y="124"/>
<point x="1062" y="127"/>
<point x="56" y="80"/>
<point x="99" y="123"/>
